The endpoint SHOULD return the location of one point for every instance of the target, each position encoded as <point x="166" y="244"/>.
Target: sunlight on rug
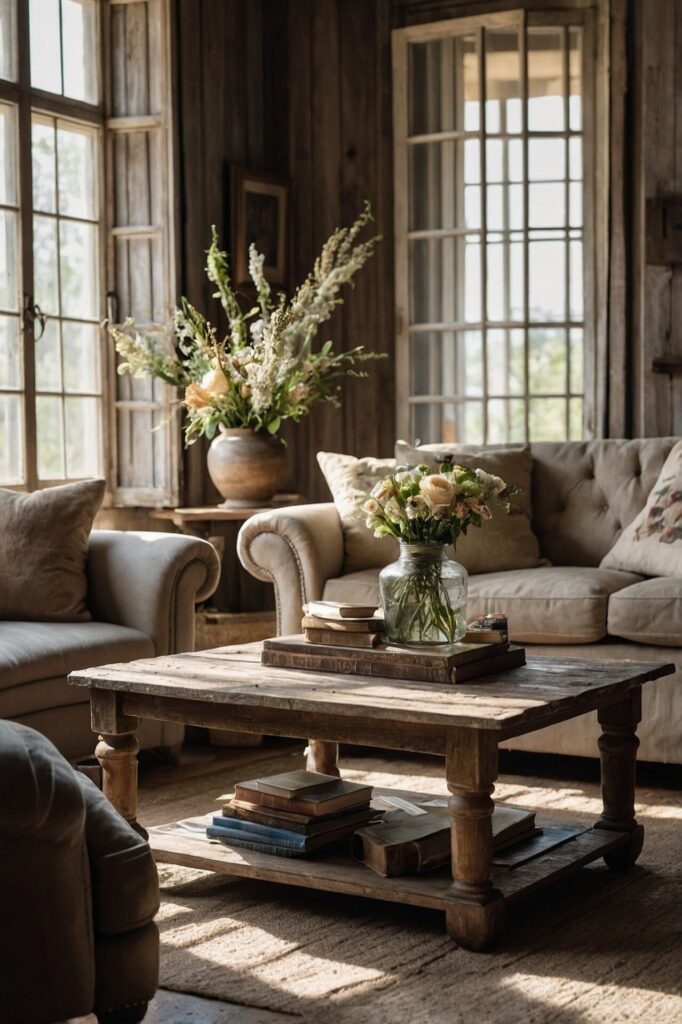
<point x="601" y="949"/>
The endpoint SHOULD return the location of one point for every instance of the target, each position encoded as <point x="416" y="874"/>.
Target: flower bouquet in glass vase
<point x="424" y="593"/>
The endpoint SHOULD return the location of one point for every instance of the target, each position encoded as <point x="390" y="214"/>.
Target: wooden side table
<point x="237" y="590"/>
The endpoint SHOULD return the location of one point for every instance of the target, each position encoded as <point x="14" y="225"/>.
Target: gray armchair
<point x="79" y="894"/>
<point x="142" y="589"/>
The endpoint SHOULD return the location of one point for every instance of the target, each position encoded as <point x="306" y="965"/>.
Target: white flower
<point x="383" y="490"/>
<point x="215" y="383"/>
<point x="490" y="483"/>
<point x="371" y="506"/>
<point x="439" y="492"/>
<point x="415" y="505"/>
<point x="393" y="511"/>
<point x="408" y="476"/>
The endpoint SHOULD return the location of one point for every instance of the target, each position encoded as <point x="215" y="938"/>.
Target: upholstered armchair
<point x="142" y="590"/>
<point x="78" y="889"/>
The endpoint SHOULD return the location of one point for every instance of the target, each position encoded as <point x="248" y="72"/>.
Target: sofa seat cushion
<point x="649" y="612"/>
<point x="550" y="605"/>
<point x="31" y="651"/>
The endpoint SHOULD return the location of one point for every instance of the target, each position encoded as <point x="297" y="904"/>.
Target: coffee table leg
<point x="475" y="909"/>
<point x="618" y="745"/>
<point x="323" y="756"/>
<point x="116" y="752"/>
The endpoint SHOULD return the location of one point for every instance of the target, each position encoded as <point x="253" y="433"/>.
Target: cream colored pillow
<point x="652" y="544"/>
<point x="43" y="549"/>
<point x="505" y="541"/>
<point x="348" y="479"/>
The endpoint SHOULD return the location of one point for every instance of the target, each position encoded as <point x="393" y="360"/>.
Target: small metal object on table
<point x="229" y="688"/>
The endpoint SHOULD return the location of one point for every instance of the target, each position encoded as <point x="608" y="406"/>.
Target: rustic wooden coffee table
<point x="228" y="688"/>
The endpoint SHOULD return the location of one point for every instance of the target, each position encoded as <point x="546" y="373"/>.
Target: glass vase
<point x="424" y="597"/>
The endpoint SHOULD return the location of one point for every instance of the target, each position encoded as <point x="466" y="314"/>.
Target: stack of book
<point x="293" y="814"/>
<point x="339" y="624"/>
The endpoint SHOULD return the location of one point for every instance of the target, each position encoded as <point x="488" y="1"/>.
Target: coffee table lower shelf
<point x="341" y="873"/>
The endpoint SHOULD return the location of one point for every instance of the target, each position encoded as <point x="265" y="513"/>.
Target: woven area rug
<point x="603" y="947"/>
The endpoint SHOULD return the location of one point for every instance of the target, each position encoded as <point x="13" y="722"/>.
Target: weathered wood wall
<point x="303" y="88"/>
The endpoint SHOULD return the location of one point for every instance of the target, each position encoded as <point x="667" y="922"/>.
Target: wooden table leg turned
<point x="323" y="756"/>
<point x="474" y="914"/>
<point x="116" y="752"/>
<point x="618" y="745"/>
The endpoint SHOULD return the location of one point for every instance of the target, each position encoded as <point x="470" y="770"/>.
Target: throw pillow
<point x="652" y="544"/>
<point x="505" y="541"/>
<point x="348" y="479"/>
<point x="43" y="548"/>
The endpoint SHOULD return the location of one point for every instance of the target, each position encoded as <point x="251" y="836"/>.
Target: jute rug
<point x="604" y="948"/>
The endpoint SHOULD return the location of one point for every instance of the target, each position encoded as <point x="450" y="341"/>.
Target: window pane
<point x="79" y="28"/>
<point x="447" y="363"/>
<point x="77" y="172"/>
<point x="506" y="420"/>
<point x="503" y="78"/>
<point x="575" y="419"/>
<point x="9" y="256"/>
<point x="8" y="40"/>
<point x="80" y="349"/>
<point x="10" y="353"/>
<point x="82" y="420"/>
<point x="444" y="189"/>
<point x="48" y="359"/>
<point x="11" y="440"/>
<point x="446" y="280"/>
<point x="547" y="361"/>
<point x="576" y="290"/>
<point x="43" y="158"/>
<point x="547" y="273"/>
<point x="460" y="422"/>
<point x="577" y="360"/>
<point x="506" y="362"/>
<point x="49" y="438"/>
<point x="8" y="155"/>
<point x="45" y="270"/>
<point x="79" y="269"/>
<point x="547" y="419"/>
<point x="505" y="278"/>
<point x="46" y="72"/>
<point x="444" y="94"/>
<point x="545" y="80"/>
<point x="547" y="205"/>
<point x="575" y="85"/>
<point x="547" y="159"/>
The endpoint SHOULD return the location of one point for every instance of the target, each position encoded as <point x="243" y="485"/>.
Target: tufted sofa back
<point x="586" y="492"/>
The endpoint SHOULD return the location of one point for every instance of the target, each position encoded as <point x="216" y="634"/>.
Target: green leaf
<point x="274" y="425"/>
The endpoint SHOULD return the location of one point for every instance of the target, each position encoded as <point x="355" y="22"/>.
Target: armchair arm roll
<point x="297" y="549"/>
<point x="150" y="582"/>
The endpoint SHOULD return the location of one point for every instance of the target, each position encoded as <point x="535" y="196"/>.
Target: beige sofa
<point x="583" y="494"/>
<point x="142" y="589"/>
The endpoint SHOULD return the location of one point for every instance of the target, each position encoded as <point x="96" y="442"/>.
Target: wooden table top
<point x="220" y="513"/>
<point x="514" y="701"/>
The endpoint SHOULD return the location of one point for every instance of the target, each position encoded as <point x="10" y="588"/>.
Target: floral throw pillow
<point x="652" y="544"/>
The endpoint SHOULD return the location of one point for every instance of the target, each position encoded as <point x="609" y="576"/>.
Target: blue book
<point x="230" y="838"/>
<point x="262" y="833"/>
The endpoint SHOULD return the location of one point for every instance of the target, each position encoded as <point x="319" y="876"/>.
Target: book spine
<point x="336" y="638"/>
<point x="248" y="844"/>
<point x="348" y="665"/>
<point x="512" y="658"/>
<point x="278" y="835"/>
<point x="283" y="841"/>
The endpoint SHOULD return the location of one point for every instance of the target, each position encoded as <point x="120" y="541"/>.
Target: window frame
<point x="594" y="159"/>
<point x="28" y="101"/>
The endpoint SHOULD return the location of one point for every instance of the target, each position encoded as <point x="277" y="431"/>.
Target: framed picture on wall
<point x="259" y="215"/>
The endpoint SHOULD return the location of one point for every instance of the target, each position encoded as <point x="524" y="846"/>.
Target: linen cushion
<point x="348" y="479"/>
<point x="43" y="548"/>
<point x="551" y="605"/>
<point x="652" y="543"/>
<point x="648" y="612"/>
<point x="505" y="541"/>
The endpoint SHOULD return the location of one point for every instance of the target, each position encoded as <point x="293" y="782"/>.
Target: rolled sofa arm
<point x="297" y="549"/>
<point x="151" y="582"/>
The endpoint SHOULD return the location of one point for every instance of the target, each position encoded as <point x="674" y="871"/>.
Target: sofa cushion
<point x="505" y="541"/>
<point x="43" y="548"/>
<point x="649" y="612"/>
<point x="32" y="651"/>
<point x="550" y="605"/>
<point x="348" y="480"/>
<point x="652" y="543"/>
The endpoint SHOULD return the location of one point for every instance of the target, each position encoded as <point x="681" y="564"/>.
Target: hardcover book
<point x="330" y="638"/>
<point x="371" y="625"/>
<point x="309" y="824"/>
<point x="235" y="828"/>
<point x="326" y="799"/>
<point x="451" y="664"/>
<point x="339" y="610"/>
<point x="293" y="784"/>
